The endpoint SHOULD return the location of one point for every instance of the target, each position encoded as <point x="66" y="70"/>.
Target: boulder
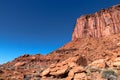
<point x="65" y="67"/>
<point x="98" y="64"/>
<point x="72" y="65"/>
<point x="71" y="74"/>
<point x="78" y="69"/>
<point x="80" y="76"/>
<point x="116" y="62"/>
<point x="69" y="78"/>
<point x="45" y="72"/>
<point x="19" y="64"/>
<point x="60" y="71"/>
<point x="52" y="66"/>
<point x="74" y="71"/>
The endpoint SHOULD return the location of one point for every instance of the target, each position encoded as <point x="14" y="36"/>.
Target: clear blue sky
<point x="40" y="26"/>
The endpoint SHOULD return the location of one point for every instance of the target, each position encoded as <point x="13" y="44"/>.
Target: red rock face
<point x="103" y="23"/>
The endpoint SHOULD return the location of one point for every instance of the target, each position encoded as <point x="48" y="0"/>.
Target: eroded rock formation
<point x="82" y="59"/>
<point x="69" y="68"/>
<point x="103" y="23"/>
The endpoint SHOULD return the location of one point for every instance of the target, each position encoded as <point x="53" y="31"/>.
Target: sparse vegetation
<point x="95" y="70"/>
<point x="27" y="77"/>
<point x="109" y="74"/>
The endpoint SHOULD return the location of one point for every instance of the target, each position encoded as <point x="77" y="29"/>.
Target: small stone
<point x="52" y="66"/>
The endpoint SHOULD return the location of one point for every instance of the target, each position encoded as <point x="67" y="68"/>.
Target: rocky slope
<point x="102" y="23"/>
<point x="88" y="51"/>
<point x="86" y="57"/>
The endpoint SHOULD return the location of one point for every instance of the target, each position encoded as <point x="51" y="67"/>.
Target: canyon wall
<point x="103" y="23"/>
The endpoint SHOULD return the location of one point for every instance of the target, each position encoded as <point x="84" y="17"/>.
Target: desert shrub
<point x="109" y="74"/>
<point x="27" y="77"/>
<point x="95" y="70"/>
<point x="37" y="78"/>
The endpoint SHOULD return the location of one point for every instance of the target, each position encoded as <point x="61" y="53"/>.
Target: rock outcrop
<point x="103" y="23"/>
<point x="1" y="71"/>
<point x="69" y="68"/>
<point x="89" y="58"/>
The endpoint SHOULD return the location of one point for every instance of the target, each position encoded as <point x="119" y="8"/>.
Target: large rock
<point x="78" y="69"/>
<point x="116" y="62"/>
<point x="19" y="64"/>
<point x="98" y="64"/>
<point x="60" y="71"/>
<point x="45" y="72"/>
<point x="80" y="76"/>
<point x="68" y="67"/>
<point x="75" y="71"/>
<point x="102" y="23"/>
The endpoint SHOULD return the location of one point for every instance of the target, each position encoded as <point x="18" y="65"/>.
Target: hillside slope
<point x="73" y="60"/>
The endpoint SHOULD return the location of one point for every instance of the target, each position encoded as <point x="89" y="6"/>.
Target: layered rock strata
<point x="103" y="23"/>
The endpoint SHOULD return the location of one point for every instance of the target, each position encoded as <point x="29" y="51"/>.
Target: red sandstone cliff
<point x="103" y="23"/>
<point x="81" y="59"/>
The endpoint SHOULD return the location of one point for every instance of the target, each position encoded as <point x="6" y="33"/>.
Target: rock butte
<point x="102" y="23"/>
<point x="93" y="50"/>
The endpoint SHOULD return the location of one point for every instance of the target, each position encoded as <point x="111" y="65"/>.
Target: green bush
<point x="109" y="74"/>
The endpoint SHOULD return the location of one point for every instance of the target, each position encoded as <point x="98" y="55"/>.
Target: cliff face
<point x="103" y="23"/>
<point x="78" y="58"/>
